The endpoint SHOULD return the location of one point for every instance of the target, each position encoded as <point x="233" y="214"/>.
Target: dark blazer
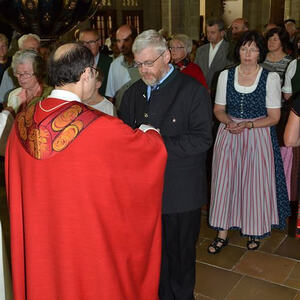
<point x="104" y="64"/>
<point x="219" y="62"/>
<point x="181" y="109"/>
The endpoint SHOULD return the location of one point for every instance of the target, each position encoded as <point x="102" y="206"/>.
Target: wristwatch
<point x="251" y="124"/>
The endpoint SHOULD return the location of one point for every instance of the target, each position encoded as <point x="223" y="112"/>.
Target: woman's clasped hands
<point x="236" y="128"/>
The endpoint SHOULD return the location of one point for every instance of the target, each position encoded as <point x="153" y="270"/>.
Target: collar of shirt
<point x="64" y="95"/>
<point x="151" y="87"/>
<point x="213" y="51"/>
<point x="96" y="59"/>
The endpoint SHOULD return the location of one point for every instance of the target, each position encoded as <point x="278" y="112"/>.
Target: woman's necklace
<point x="250" y="73"/>
<point x="48" y="110"/>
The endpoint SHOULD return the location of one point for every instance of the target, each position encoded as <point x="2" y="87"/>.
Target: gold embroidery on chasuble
<point x="56" y="132"/>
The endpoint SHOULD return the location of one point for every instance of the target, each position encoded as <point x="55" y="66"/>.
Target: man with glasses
<point x="76" y="181"/>
<point x="181" y="108"/>
<point x="122" y="72"/>
<point x="91" y="40"/>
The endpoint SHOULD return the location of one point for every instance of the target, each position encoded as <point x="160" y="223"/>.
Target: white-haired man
<point x="180" y="107"/>
<point x="25" y="42"/>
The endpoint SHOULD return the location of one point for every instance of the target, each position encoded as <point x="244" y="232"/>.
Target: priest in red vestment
<point x="84" y="193"/>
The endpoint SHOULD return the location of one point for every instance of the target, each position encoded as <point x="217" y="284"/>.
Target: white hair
<point x="149" y="38"/>
<point x="185" y="40"/>
<point x="24" y="37"/>
<point x="23" y="56"/>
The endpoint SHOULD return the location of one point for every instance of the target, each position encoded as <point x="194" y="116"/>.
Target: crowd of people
<point x="108" y="155"/>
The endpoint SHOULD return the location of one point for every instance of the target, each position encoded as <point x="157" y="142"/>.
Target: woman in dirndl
<point x="248" y="184"/>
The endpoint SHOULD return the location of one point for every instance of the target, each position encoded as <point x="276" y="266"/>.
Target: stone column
<point x="257" y="12"/>
<point x="292" y="11"/>
<point x="152" y="14"/>
<point x="181" y="16"/>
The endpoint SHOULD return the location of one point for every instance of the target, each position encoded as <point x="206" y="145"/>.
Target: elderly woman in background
<point x="248" y="184"/>
<point x="180" y="47"/>
<point x="29" y="68"/>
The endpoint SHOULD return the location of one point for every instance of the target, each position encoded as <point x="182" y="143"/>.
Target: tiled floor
<point x="270" y="273"/>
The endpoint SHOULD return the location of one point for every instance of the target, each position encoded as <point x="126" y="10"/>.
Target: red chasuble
<point x="84" y="193"/>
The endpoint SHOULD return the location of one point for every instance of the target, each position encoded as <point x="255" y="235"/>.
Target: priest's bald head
<point x="71" y="68"/>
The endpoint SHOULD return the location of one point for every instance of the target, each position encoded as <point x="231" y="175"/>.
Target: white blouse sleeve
<point x="221" y="88"/>
<point x="273" y="91"/>
<point x="3" y="119"/>
<point x="289" y="74"/>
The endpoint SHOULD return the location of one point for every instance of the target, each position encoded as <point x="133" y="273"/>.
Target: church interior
<point x="273" y="271"/>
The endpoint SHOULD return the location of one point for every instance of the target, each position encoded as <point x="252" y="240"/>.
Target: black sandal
<point x="214" y="245"/>
<point x="253" y="241"/>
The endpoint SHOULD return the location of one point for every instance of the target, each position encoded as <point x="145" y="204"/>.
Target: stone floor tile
<point x="265" y="266"/>
<point x="290" y="248"/>
<point x="272" y="243"/>
<point x="235" y="238"/>
<point x="250" y="288"/>
<point x="214" y="282"/>
<point x="200" y="241"/>
<point x="294" y="278"/>
<point x="201" y="297"/>
<point x="297" y="296"/>
<point x="205" y="230"/>
<point x="227" y="258"/>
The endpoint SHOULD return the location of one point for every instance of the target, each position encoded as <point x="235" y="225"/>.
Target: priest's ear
<point x="87" y="74"/>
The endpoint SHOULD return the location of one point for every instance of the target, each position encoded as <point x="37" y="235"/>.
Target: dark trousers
<point x="179" y="236"/>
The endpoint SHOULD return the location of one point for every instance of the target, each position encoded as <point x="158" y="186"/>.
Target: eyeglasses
<point x="24" y="75"/>
<point x="149" y="63"/>
<point x="251" y="50"/>
<point x="89" y="43"/>
<point x="175" y="48"/>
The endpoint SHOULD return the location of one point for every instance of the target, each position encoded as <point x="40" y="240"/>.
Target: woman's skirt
<point x="243" y="191"/>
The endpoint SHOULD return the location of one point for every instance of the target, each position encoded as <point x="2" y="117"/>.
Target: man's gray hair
<point x="149" y="38"/>
<point x="185" y="40"/>
<point x="24" y="37"/>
